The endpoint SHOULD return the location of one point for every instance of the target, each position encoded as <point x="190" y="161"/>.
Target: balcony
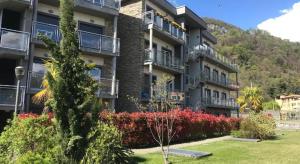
<point x="165" y="30"/>
<point x="211" y="54"/>
<point x="111" y="7"/>
<point x="164" y="60"/>
<point x="175" y="97"/>
<point x="89" y="42"/>
<point x="108" y="88"/>
<point x="194" y="81"/>
<point x="14" y="43"/>
<point x="96" y="43"/>
<point x="106" y="85"/>
<point x="8" y="97"/>
<point x="218" y="103"/>
<point x="16" y="4"/>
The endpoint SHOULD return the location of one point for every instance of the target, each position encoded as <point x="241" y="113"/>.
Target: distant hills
<point x="265" y="61"/>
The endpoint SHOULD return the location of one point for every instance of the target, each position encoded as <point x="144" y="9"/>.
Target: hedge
<point x="188" y="125"/>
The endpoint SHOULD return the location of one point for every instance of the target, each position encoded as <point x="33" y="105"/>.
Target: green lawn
<point x="283" y="150"/>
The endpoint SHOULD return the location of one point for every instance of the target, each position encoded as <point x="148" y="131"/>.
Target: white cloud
<point x="286" y="26"/>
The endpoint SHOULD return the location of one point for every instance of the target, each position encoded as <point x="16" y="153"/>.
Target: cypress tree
<point x="73" y="90"/>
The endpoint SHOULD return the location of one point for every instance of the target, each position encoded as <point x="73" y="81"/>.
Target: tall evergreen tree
<point x="72" y="89"/>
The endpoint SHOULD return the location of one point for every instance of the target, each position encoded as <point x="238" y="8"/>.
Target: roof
<point x="210" y="37"/>
<point x="194" y="20"/>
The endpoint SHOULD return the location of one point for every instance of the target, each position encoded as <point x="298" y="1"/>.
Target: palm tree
<point x="251" y="98"/>
<point x="43" y="95"/>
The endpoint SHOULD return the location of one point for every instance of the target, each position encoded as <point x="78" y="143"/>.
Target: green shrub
<point x="271" y="105"/>
<point x="258" y="126"/>
<point x="32" y="139"/>
<point x="105" y="146"/>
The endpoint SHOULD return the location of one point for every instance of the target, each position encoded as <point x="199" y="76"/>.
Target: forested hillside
<point x="268" y="62"/>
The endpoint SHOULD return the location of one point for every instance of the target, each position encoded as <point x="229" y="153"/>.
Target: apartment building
<point x="22" y="20"/>
<point x="153" y="46"/>
<point x="158" y="38"/>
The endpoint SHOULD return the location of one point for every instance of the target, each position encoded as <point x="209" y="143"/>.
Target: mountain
<point x="265" y="61"/>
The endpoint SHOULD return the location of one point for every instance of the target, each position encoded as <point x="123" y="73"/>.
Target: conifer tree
<point x="73" y="90"/>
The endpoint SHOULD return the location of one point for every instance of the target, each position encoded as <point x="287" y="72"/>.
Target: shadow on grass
<point x="136" y="160"/>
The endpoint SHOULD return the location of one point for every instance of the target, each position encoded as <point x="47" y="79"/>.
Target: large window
<point x="216" y="96"/>
<point x="90" y="37"/>
<point x="207" y="72"/>
<point x="224" y="96"/>
<point x="208" y="95"/>
<point x="215" y="75"/>
<point x="223" y="78"/>
<point x="96" y="73"/>
<point x="47" y="25"/>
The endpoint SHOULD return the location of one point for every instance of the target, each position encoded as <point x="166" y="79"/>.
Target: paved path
<point x="176" y="146"/>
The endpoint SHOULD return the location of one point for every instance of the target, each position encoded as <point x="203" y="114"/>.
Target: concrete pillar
<point x="151" y="57"/>
<point x="114" y="59"/>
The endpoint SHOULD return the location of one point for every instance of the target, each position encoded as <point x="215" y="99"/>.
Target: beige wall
<point x="160" y="43"/>
<point x="162" y="12"/>
<point x="289" y="104"/>
<point x="158" y="73"/>
<point x="98" y="60"/>
<point x="77" y="16"/>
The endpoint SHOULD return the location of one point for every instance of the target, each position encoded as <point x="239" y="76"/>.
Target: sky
<point x="280" y="18"/>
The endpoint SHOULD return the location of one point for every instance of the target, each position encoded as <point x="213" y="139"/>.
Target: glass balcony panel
<point x="16" y="40"/>
<point x="36" y="80"/>
<point x="90" y="40"/>
<point x="51" y="31"/>
<point x="107" y="43"/>
<point x="8" y="95"/>
<point x="166" y="26"/>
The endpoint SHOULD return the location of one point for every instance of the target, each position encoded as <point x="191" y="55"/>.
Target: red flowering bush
<point x="188" y="125"/>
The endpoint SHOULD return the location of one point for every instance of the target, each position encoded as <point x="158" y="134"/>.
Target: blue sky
<point x="242" y="13"/>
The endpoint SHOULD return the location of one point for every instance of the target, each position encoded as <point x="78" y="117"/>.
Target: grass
<point x="283" y="150"/>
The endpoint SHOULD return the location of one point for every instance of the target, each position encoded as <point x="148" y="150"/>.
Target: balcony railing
<point x="113" y="4"/>
<point x="49" y="30"/>
<point x="91" y="41"/>
<point x="99" y="43"/>
<point x="209" y="52"/>
<point x="108" y="88"/>
<point x="194" y="80"/>
<point x="163" y="59"/>
<point x="215" y="102"/>
<point x="150" y="17"/>
<point x="106" y="85"/>
<point x="15" y="40"/>
<point x="8" y="95"/>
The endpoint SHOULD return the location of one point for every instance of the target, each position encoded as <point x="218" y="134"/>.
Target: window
<point x="207" y="95"/>
<point x="223" y="78"/>
<point x="166" y="57"/>
<point x="90" y="37"/>
<point x="38" y="72"/>
<point x="224" y="96"/>
<point x="96" y="73"/>
<point x="47" y="25"/>
<point x="216" y="96"/>
<point x="215" y="75"/>
<point x="207" y="72"/>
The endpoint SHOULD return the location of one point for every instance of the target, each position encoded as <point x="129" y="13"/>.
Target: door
<point x="11" y="20"/>
<point x="7" y="72"/>
<point x="208" y="96"/>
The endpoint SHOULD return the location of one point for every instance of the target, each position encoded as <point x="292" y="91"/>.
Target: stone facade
<point x="130" y="63"/>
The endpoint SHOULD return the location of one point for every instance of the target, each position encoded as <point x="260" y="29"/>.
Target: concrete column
<point x="151" y="57"/>
<point x="1" y="17"/>
<point x="114" y="59"/>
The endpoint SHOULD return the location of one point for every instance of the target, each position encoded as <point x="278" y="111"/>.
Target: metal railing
<point x="196" y="51"/>
<point x="114" y="4"/>
<point x="96" y="42"/>
<point x="8" y="95"/>
<point x="194" y="80"/>
<point x="217" y="102"/>
<point x="99" y="43"/>
<point x="15" y="40"/>
<point x="49" y="30"/>
<point x="150" y="17"/>
<point x="35" y="80"/>
<point x="163" y="59"/>
<point x="108" y="87"/>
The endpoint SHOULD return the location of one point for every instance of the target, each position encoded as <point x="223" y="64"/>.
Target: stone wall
<point x="130" y="62"/>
